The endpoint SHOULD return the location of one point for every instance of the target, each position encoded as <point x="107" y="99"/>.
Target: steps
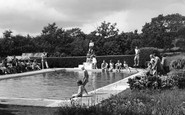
<point x="86" y="65"/>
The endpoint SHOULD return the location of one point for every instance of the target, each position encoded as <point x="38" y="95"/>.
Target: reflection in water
<point x="56" y="85"/>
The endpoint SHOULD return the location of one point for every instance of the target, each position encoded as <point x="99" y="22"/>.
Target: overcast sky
<point x="30" y="16"/>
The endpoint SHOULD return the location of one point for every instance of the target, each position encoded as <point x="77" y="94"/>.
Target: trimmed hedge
<point x="65" y="62"/>
<point x="70" y="62"/>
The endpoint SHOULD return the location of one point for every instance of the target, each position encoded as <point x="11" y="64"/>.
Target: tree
<point x="7" y="43"/>
<point x="107" y="30"/>
<point x="162" y="30"/>
<point x="7" y="34"/>
<point x="54" y="39"/>
<point x="102" y="34"/>
<point x="79" y="45"/>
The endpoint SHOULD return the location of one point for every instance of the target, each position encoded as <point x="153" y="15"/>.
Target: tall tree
<point x="102" y="34"/>
<point x="106" y="29"/>
<point x="7" y="43"/>
<point x="156" y="33"/>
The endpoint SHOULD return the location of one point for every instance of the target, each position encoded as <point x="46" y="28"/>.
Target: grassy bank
<point x="166" y="102"/>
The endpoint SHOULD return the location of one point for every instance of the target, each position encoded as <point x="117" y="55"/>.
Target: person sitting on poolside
<point x="125" y="65"/>
<point x="149" y="70"/>
<point x="111" y="66"/>
<point x="104" y="66"/>
<point x="94" y="62"/>
<point x="81" y="89"/>
<point x="118" y="66"/>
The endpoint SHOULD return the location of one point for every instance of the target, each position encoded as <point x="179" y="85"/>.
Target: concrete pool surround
<point x="94" y="97"/>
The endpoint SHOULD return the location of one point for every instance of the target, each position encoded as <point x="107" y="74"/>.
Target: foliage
<point x="177" y="64"/>
<point x="179" y="77"/>
<point x="179" y="42"/>
<point x="162" y="30"/>
<point x="129" y="102"/>
<point x="150" y="82"/>
<point x="107" y="30"/>
<point x="173" y="79"/>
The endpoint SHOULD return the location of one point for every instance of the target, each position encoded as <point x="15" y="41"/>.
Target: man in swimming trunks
<point x="136" y="58"/>
<point x="104" y="66"/>
<point x="111" y="66"/>
<point x="118" y="66"/>
<point x="81" y="89"/>
<point x="85" y="78"/>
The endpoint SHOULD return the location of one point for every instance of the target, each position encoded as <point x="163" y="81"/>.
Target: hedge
<point x="70" y="62"/>
<point x="65" y="62"/>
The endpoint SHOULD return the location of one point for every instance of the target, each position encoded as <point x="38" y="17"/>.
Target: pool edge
<point x="94" y="97"/>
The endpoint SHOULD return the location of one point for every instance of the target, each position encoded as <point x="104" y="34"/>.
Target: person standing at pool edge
<point x="136" y="58"/>
<point x="81" y="88"/>
<point x="85" y="78"/>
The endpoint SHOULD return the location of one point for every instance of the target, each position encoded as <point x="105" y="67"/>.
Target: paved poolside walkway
<point x="93" y="98"/>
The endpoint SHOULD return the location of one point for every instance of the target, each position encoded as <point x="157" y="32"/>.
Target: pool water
<point x="55" y="85"/>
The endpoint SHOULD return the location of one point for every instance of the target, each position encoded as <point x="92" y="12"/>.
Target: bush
<point x="151" y="82"/>
<point x="175" y="78"/>
<point x="177" y="64"/>
<point x="179" y="77"/>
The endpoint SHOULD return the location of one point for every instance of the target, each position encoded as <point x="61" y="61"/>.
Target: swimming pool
<point x="55" y="85"/>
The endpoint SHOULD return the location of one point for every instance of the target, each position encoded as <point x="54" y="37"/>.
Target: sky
<point x="31" y="16"/>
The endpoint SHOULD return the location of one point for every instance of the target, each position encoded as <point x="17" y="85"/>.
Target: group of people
<point x="18" y="66"/>
<point x="156" y="66"/>
<point x="118" y="66"/>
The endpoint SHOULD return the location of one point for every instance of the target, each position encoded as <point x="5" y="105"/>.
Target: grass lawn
<point x="166" y="102"/>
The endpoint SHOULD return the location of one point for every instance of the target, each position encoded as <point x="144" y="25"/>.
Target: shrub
<point x="177" y="64"/>
<point x="179" y="77"/>
<point x="151" y="82"/>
